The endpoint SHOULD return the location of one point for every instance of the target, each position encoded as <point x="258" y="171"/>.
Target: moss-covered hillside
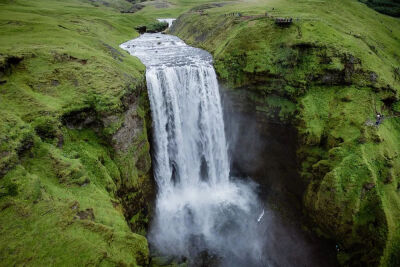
<point x="74" y="151"/>
<point x="75" y="179"/>
<point x="325" y="73"/>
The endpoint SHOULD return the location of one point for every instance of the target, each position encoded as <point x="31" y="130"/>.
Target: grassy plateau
<point x="73" y="186"/>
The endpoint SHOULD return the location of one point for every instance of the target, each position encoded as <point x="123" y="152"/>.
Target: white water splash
<point x="167" y="20"/>
<point x="199" y="207"/>
<point x="261" y="216"/>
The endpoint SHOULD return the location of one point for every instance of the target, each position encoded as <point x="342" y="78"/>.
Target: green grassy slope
<point x="323" y="74"/>
<point x="69" y="175"/>
<point x="75" y="185"/>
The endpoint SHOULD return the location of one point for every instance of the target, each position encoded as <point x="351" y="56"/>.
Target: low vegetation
<point x="75" y="185"/>
<point x="328" y="73"/>
<point x="70" y="193"/>
<point x="75" y="181"/>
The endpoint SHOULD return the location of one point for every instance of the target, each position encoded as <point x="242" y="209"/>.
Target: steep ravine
<point x="264" y="150"/>
<point x="327" y="93"/>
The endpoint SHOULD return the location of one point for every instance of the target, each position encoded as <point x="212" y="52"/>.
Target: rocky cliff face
<point x="324" y="77"/>
<point x="73" y="177"/>
<point x="75" y="167"/>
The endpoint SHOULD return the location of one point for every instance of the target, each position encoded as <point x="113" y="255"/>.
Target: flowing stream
<point x="200" y="208"/>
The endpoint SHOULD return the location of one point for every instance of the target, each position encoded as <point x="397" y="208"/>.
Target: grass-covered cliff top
<point x="74" y="180"/>
<point x="325" y="73"/>
<point x="64" y="89"/>
<point x="75" y="185"/>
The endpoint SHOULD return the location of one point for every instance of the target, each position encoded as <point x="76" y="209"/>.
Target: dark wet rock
<point x="87" y="214"/>
<point x="207" y="6"/>
<point x="115" y="54"/>
<point x="350" y="63"/>
<point x="81" y="118"/>
<point x="373" y="77"/>
<point x="135" y="8"/>
<point x="389" y="178"/>
<point x="368" y="186"/>
<point x="60" y="140"/>
<point x="283" y="22"/>
<point x="47" y="127"/>
<point x="26" y="144"/>
<point x="205" y="258"/>
<point x="74" y="205"/>
<point x="141" y="29"/>
<point x="396" y="73"/>
<point x="55" y="82"/>
<point x="7" y="63"/>
<point x="64" y="57"/>
<point x="332" y="78"/>
<point x="130" y="130"/>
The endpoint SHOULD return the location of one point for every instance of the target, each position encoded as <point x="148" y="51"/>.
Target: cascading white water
<point x="167" y="20"/>
<point x="199" y="206"/>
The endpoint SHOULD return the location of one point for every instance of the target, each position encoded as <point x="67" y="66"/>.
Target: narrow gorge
<point x="204" y="211"/>
<point x="199" y="207"/>
<point x="241" y="133"/>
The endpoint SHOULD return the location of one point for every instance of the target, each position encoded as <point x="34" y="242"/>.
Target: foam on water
<point x="199" y="207"/>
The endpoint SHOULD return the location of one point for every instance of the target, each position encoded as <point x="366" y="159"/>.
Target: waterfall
<point x="199" y="207"/>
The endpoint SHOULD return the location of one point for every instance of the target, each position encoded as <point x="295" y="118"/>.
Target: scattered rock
<point x="55" y="82"/>
<point x="376" y="138"/>
<point x="75" y="205"/>
<point x="135" y="8"/>
<point x="57" y="57"/>
<point x="283" y="22"/>
<point x="396" y="73"/>
<point x="7" y="63"/>
<point x="115" y="203"/>
<point x="25" y="145"/>
<point x="368" y="186"/>
<point x="346" y="99"/>
<point x="332" y="78"/>
<point x="87" y="214"/>
<point x="141" y="29"/>
<point x="373" y="77"/>
<point x="389" y="178"/>
<point x="131" y="128"/>
<point x="78" y="119"/>
<point x="114" y="52"/>
<point x="60" y="141"/>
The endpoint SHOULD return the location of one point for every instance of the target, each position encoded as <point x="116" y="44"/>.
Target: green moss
<point x="156" y="27"/>
<point x="47" y="205"/>
<point x="62" y="77"/>
<point x="324" y="75"/>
